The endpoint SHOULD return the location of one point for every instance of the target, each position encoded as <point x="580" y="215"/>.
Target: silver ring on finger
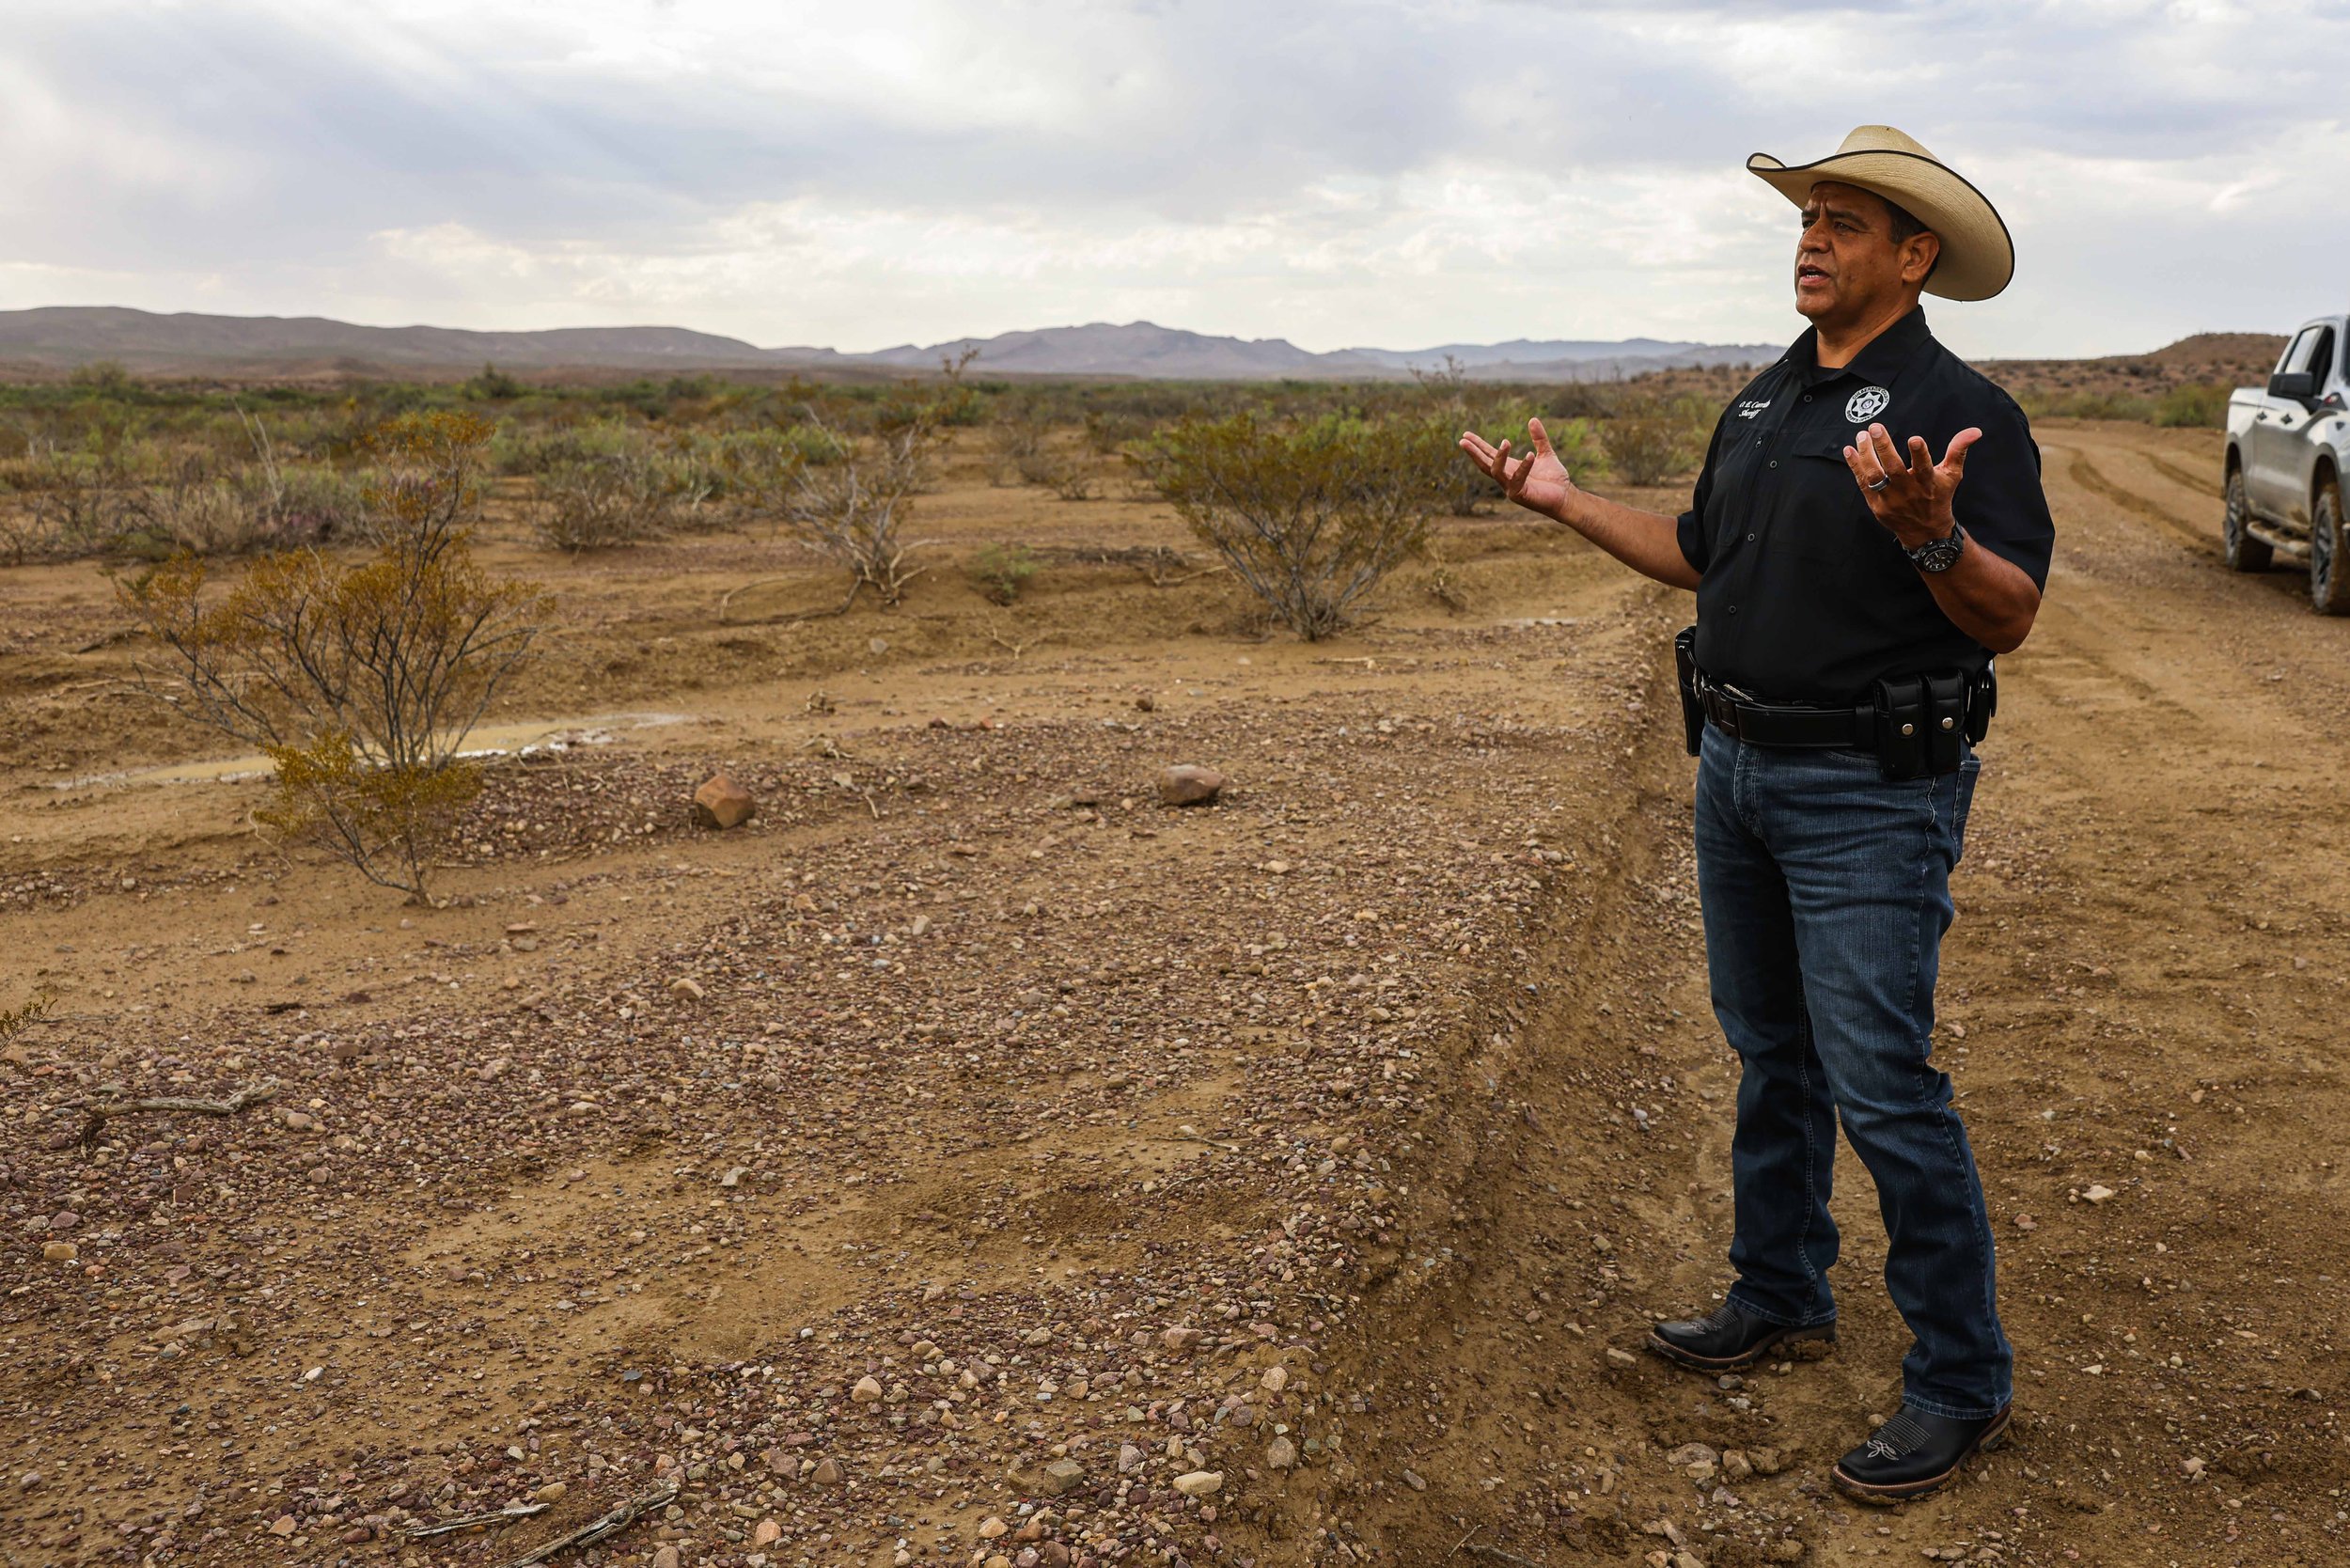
<point x="1882" y="483"/>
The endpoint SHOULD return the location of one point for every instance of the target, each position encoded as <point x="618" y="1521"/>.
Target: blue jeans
<point x="1826" y="892"/>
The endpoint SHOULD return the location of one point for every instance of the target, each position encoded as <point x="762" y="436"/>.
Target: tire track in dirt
<point x="2180" y="476"/>
<point x="2085" y="474"/>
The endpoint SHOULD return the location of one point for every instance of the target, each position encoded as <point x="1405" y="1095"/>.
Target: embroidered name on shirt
<point x="1749" y="408"/>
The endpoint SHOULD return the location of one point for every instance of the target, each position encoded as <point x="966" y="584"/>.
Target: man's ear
<point x="1918" y="254"/>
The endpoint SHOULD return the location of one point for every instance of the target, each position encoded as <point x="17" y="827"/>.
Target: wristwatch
<point x="1939" y="554"/>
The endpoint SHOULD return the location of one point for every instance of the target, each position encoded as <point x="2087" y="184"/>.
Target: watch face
<point x="1939" y="554"/>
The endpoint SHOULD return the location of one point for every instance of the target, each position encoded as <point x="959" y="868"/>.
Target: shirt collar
<point x="1879" y="362"/>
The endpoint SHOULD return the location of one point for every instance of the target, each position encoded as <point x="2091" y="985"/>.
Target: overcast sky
<point x="1395" y="174"/>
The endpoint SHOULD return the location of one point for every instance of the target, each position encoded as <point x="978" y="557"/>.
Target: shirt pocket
<point x="1833" y="528"/>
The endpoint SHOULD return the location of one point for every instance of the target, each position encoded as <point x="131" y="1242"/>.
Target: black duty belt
<point x="1913" y="724"/>
<point x="1784" y="724"/>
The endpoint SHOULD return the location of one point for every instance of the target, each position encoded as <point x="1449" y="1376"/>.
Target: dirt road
<point x="971" y="1134"/>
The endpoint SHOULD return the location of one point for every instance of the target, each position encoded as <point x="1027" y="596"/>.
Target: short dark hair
<point x="1906" y="226"/>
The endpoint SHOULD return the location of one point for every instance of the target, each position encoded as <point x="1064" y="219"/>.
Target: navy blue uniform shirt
<point x="1804" y="596"/>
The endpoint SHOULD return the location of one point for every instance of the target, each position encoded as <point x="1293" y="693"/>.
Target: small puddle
<point x="532" y="738"/>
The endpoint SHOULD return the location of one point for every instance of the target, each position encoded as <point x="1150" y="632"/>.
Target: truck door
<point x="2280" y="430"/>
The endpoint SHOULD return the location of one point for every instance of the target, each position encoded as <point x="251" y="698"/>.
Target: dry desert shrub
<point x="358" y="680"/>
<point x="601" y="502"/>
<point x="1067" y="475"/>
<point x="1019" y="448"/>
<point x="1308" y="516"/>
<point x="62" y="505"/>
<point x="15" y="1020"/>
<point x="248" y="511"/>
<point x="1109" y="432"/>
<point x="852" y="510"/>
<point x="58" y="505"/>
<point x="432" y="466"/>
<point x="1013" y="443"/>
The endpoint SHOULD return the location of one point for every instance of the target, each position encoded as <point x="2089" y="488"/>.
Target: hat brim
<point x="1978" y="254"/>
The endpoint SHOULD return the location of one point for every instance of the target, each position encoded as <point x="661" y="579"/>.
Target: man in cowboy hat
<point x="1836" y="557"/>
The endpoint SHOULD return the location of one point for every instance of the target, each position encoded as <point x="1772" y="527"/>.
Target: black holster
<point x="1685" y="665"/>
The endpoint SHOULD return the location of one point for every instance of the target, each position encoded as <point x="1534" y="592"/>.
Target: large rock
<point x="1187" y="785"/>
<point x="722" y="802"/>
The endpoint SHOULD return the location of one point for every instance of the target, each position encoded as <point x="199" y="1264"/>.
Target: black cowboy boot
<point x="1915" y="1454"/>
<point x="1727" y="1340"/>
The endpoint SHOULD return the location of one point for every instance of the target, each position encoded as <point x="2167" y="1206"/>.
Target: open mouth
<point x="1809" y="274"/>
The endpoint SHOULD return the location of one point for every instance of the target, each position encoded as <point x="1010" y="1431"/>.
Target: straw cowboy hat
<point x="1978" y="258"/>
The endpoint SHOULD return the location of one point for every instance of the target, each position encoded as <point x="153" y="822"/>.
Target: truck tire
<point x="2330" y="551"/>
<point x="2243" y="551"/>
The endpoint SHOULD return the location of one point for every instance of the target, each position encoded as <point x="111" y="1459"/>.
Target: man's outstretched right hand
<point x="1537" y="482"/>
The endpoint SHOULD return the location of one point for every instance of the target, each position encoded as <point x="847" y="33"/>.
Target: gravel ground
<point x="973" y="1160"/>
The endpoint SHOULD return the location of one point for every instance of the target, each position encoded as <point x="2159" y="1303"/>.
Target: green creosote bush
<point x="1461" y="405"/>
<point x="524" y="451"/>
<point x="1308" y="515"/>
<point x="493" y="386"/>
<point x="1653" y="441"/>
<point x="2197" y="406"/>
<point x="1000" y="571"/>
<point x="2084" y="404"/>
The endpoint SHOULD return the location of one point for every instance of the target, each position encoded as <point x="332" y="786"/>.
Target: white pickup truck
<point x="2288" y="447"/>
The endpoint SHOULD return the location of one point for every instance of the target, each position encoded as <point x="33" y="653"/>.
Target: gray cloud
<point x="1400" y="172"/>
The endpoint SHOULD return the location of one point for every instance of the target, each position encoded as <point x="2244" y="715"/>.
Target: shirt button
<point x="1773" y="462"/>
<point x="1807" y="396"/>
<point x="1734" y="609"/>
<point x="1749" y="538"/>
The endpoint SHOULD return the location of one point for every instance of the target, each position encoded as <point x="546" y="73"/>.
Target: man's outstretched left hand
<point x="1912" y="498"/>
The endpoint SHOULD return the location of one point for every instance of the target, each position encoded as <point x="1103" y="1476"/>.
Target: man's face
<point x="1847" y="265"/>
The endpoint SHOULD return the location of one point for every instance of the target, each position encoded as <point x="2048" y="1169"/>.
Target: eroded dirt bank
<point x="1327" y="1139"/>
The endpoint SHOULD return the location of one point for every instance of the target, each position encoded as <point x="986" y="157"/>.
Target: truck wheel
<point x="2330" y="553"/>
<point x="2244" y="552"/>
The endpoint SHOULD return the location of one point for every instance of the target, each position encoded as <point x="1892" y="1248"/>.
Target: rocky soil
<point x="973" y="1158"/>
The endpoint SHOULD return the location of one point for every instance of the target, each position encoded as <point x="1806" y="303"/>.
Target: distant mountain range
<point x="63" y="337"/>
